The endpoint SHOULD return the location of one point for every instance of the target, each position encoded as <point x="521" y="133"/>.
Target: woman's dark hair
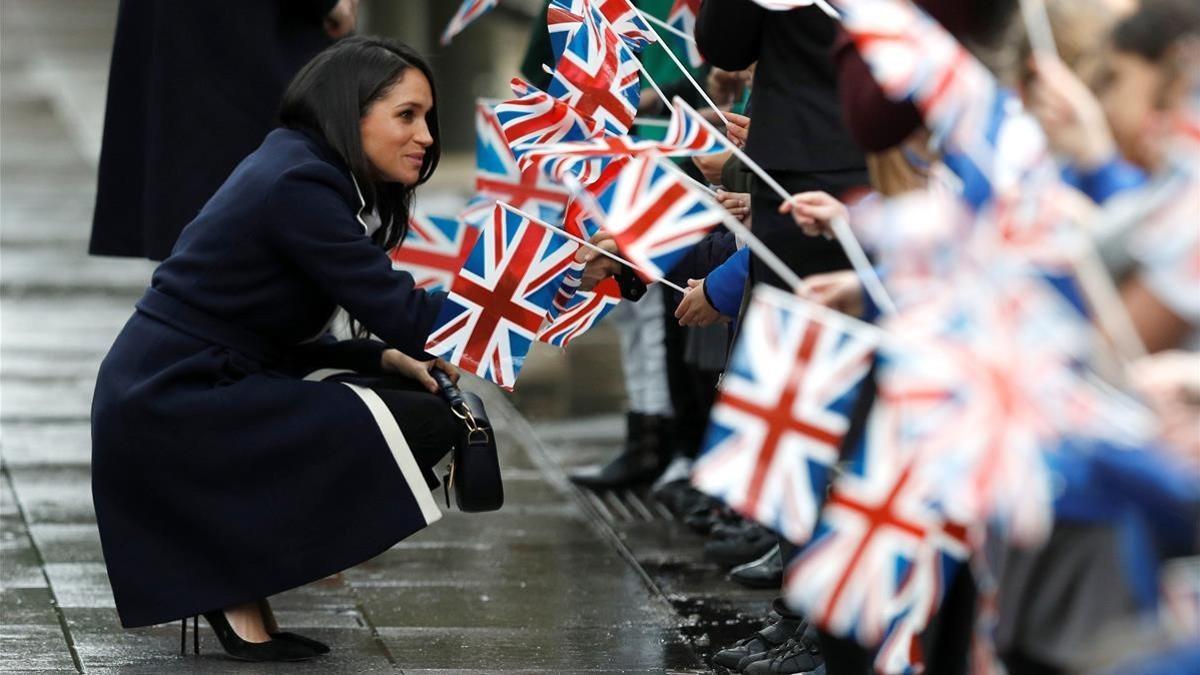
<point x="1157" y="28"/>
<point x="329" y="97"/>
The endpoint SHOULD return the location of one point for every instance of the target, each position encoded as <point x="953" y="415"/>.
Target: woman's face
<point x="394" y="131"/>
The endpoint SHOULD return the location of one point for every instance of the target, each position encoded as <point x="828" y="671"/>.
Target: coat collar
<point x="370" y="221"/>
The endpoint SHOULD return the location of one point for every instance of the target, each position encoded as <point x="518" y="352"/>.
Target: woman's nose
<point x="423" y="138"/>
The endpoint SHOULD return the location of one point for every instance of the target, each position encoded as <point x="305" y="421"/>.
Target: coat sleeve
<point x="362" y="355"/>
<point x="715" y="248"/>
<point x="724" y="286"/>
<point x="728" y="32"/>
<point x="316" y="230"/>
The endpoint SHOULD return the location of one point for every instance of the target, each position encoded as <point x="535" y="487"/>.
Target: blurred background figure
<point x="193" y="88"/>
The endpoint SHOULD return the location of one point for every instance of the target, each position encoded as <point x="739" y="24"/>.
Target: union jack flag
<point x="501" y="297"/>
<point x="620" y="15"/>
<point x="626" y="20"/>
<point x="783" y="409"/>
<point x="467" y="12"/>
<point x="684" y="138"/>
<point x="478" y="211"/>
<point x="561" y="21"/>
<point x="535" y="118"/>
<point x="875" y="525"/>
<point x="499" y="177"/>
<point x="578" y="219"/>
<point x="689" y="134"/>
<point x="574" y="311"/>
<point x="598" y="75"/>
<point x="655" y="214"/>
<point x="434" y="250"/>
<point x="682" y="18"/>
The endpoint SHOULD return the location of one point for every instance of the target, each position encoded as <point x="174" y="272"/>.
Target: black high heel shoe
<point x="236" y="647"/>
<point x="268" y="615"/>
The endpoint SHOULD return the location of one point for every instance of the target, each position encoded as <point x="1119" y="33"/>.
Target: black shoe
<point x="800" y="654"/>
<point x="740" y="546"/>
<point x="645" y="456"/>
<point x="268" y="617"/>
<point x="705" y="516"/>
<point x="766" y="572"/>
<point x="317" y="646"/>
<point x="678" y="496"/>
<point x="236" y="647"/>
<point x="758" y="644"/>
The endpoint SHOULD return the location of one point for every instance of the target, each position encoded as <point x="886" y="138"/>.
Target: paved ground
<point x="555" y="582"/>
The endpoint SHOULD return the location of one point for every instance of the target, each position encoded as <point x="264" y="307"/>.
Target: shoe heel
<point x="195" y="636"/>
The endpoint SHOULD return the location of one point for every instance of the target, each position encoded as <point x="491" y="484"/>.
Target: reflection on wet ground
<point x="712" y="611"/>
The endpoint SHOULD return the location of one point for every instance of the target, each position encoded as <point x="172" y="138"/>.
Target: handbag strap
<point x="476" y="432"/>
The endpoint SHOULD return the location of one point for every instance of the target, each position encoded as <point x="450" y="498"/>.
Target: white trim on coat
<point x="395" y="440"/>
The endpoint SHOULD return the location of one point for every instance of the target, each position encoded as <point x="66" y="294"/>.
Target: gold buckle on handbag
<point x="463" y="412"/>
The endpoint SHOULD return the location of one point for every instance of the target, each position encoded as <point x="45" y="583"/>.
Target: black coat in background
<point x="796" y="131"/>
<point x="193" y="88"/>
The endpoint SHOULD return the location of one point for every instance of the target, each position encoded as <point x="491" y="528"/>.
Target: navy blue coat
<point x="224" y="469"/>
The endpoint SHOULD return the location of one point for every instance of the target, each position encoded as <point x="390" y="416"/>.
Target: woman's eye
<point x="406" y="115"/>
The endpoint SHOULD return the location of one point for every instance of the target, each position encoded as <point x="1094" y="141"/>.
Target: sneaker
<point x="761" y="642"/>
<point x="800" y="654"/>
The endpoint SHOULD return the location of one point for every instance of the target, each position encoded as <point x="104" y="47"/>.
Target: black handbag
<point x="475" y="467"/>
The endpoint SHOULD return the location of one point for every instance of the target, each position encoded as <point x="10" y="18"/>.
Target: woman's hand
<point x="598" y="266"/>
<point x="399" y="363"/>
<point x="725" y="86"/>
<point x="815" y="212"/>
<point x="711" y="165"/>
<point x="736" y="203"/>
<point x="694" y="309"/>
<point x="738" y="128"/>
<point x="839" y="291"/>
<point x="342" y="19"/>
<point x="1072" y="116"/>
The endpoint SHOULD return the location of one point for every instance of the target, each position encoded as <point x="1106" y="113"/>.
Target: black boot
<point x="646" y="453"/>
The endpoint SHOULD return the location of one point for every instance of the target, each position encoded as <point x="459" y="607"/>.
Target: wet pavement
<point x="554" y="582"/>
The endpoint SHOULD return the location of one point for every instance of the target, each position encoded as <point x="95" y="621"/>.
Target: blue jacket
<point x="725" y="285"/>
<point x="1108" y="179"/>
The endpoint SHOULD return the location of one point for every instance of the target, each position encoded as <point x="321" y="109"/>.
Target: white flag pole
<point x="858" y="259"/>
<point x="828" y="9"/>
<point x="669" y="28"/>
<point x="1037" y="27"/>
<point x="686" y="73"/>
<point x="590" y="245"/>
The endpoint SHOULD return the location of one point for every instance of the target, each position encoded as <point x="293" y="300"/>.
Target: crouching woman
<point x="238" y="449"/>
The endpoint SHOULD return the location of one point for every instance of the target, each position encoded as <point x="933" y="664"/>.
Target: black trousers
<point x="424" y="418"/>
<point x="805" y="255"/>
<point x="692" y="389"/>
